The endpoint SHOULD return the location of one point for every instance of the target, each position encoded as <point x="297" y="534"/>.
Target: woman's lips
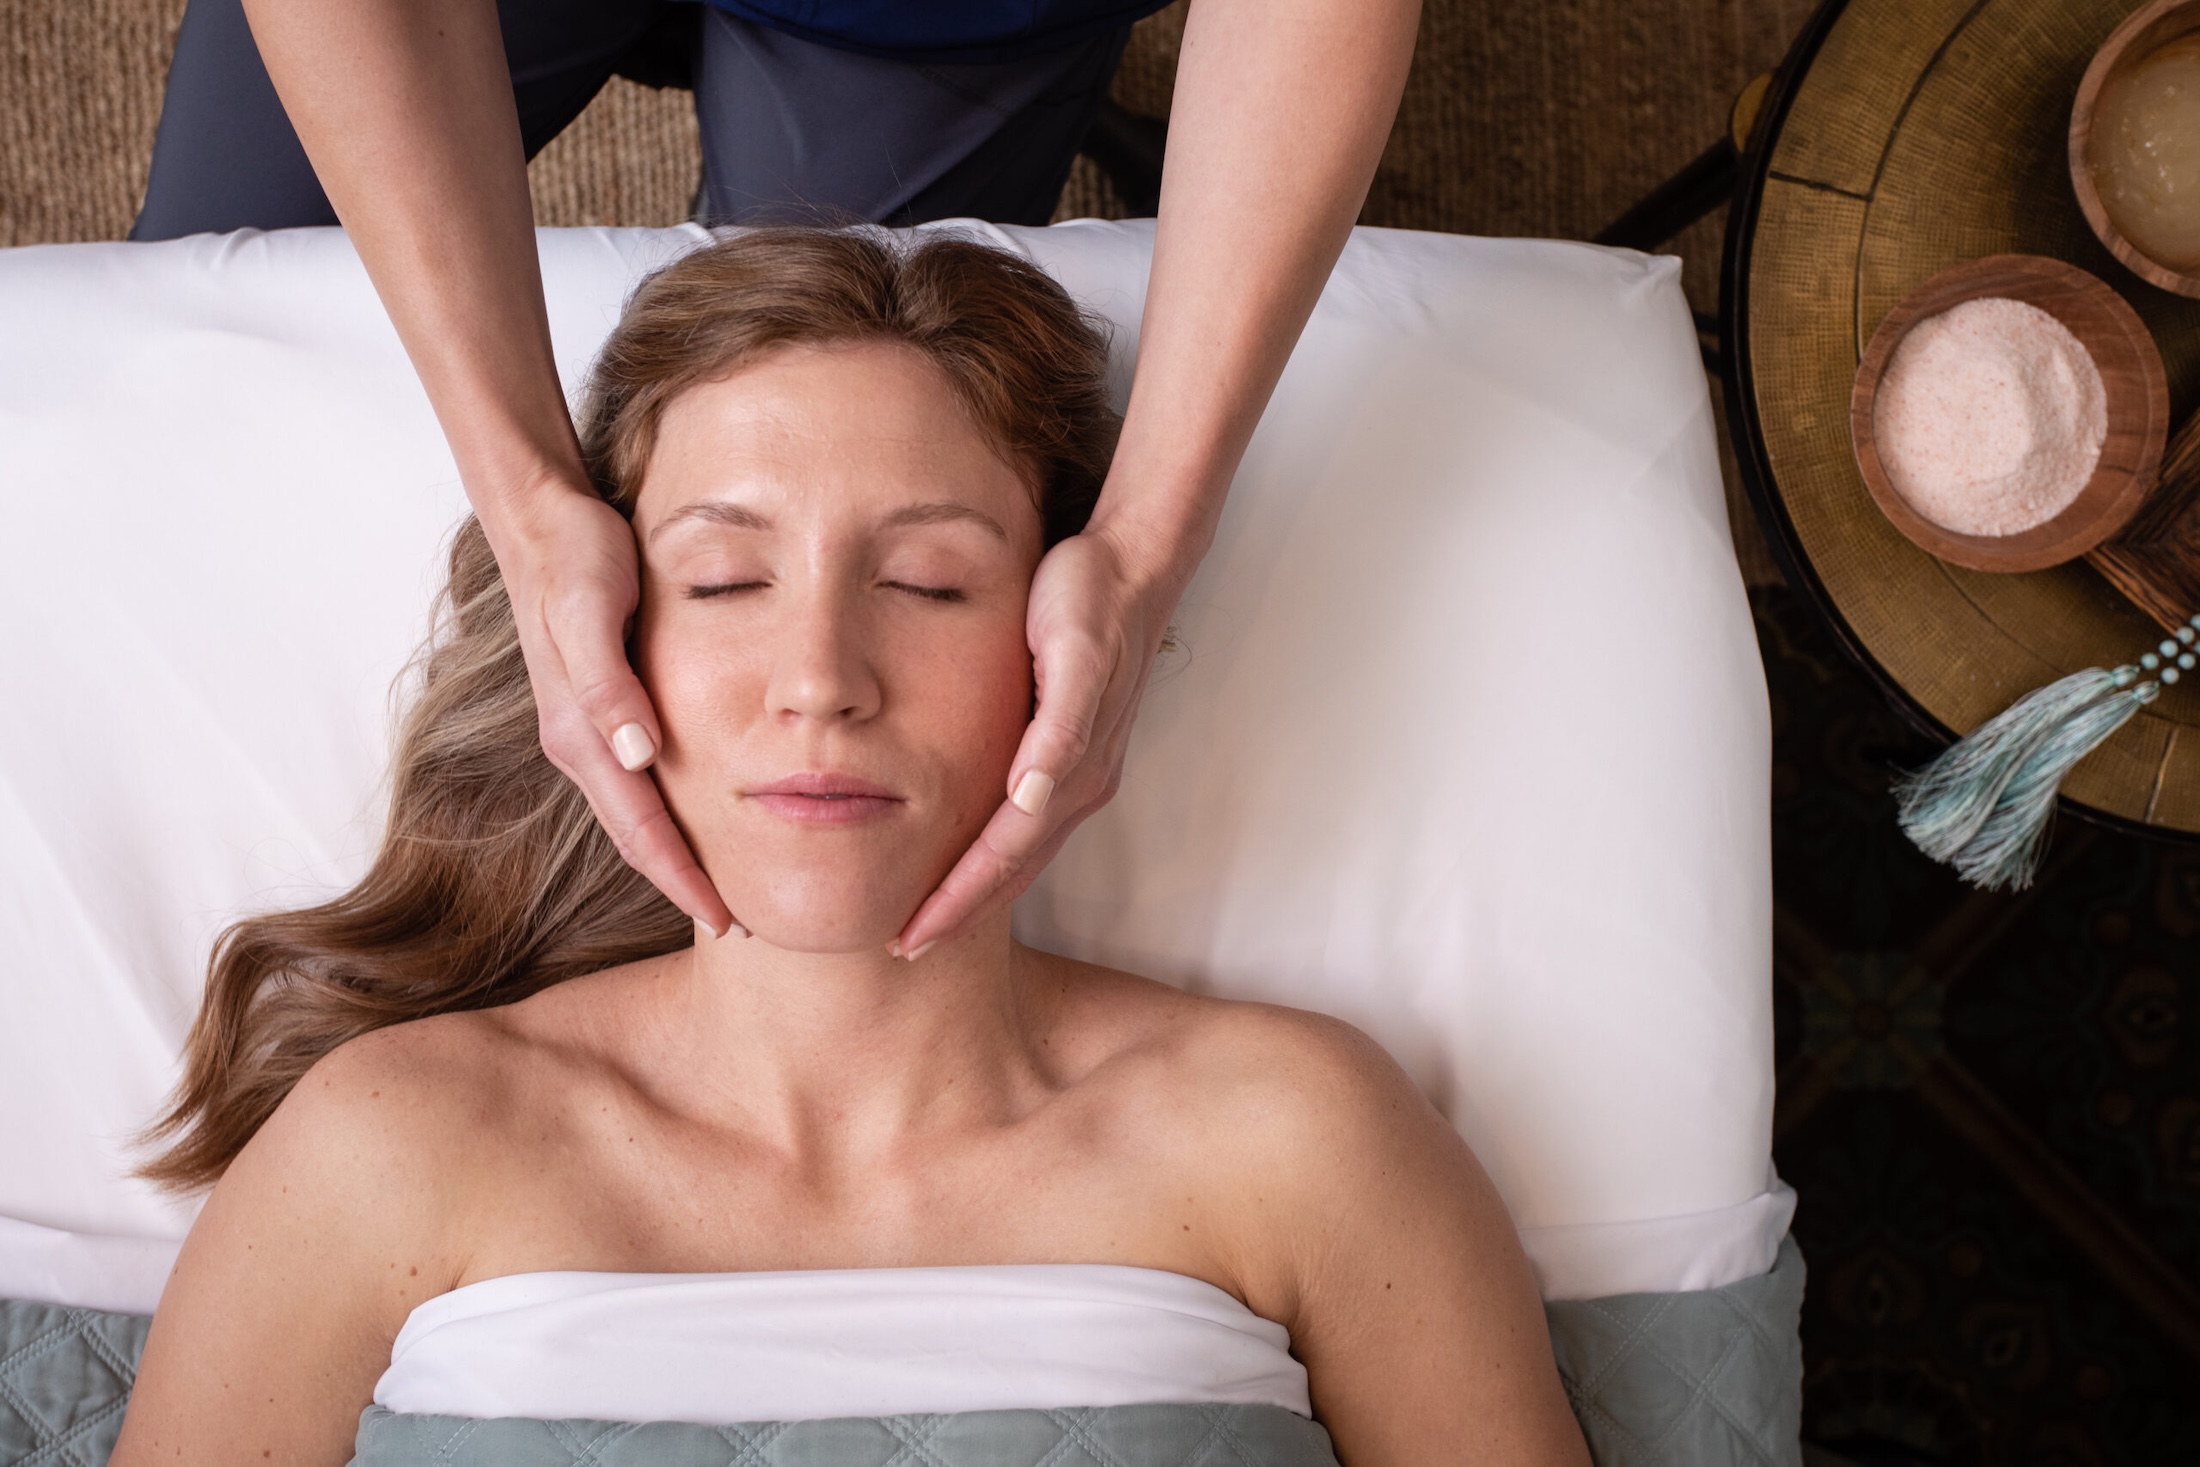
<point x="824" y="799"/>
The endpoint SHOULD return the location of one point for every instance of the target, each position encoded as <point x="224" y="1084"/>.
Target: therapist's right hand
<point x="569" y="566"/>
<point x="405" y="109"/>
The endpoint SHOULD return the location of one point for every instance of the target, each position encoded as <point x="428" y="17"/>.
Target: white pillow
<point x="1467" y="744"/>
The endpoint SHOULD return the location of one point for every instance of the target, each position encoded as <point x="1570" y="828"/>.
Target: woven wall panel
<point x="79" y="96"/>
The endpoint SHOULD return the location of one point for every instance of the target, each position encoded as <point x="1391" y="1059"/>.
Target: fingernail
<point x="920" y="952"/>
<point x="711" y="927"/>
<point x="1032" y="792"/>
<point x="633" y="746"/>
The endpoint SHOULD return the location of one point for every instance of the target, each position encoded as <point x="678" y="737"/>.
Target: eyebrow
<point x="717" y="512"/>
<point x="943" y="513"/>
<point x="741" y="517"/>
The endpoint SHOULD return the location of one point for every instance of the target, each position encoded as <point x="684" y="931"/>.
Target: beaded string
<point x="2167" y="659"/>
<point x="1983" y="805"/>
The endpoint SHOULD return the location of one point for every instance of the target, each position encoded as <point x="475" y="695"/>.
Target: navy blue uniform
<point x="895" y="111"/>
<point x="944" y="30"/>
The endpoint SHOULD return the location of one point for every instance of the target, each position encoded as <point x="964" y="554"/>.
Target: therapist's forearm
<point x="405" y="108"/>
<point x="1280" y="115"/>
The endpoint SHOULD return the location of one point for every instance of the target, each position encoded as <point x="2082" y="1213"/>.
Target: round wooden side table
<point x="1900" y="137"/>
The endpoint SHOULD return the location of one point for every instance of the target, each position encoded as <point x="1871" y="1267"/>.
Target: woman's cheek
<point x="686" y="678"/>
<point x="1000" y="698"/>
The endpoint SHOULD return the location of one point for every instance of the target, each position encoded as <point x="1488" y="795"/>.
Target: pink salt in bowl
<point x="2135" y="389"/>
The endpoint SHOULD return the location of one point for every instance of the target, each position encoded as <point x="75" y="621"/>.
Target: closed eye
<point x="728" y="588"/>
<point x="929" y="593"/>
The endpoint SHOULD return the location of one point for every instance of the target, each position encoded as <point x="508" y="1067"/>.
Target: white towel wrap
<point x="723" y="1348"/>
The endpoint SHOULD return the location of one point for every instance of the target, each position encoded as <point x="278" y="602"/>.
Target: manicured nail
<point x="633" y="746"/>
<point x="1032" y="792"/>
<point x="711" y="927"/>
<point x="920" y="952"/>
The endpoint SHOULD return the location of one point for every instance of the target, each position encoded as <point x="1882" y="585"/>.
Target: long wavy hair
<point x="493" y="879"/>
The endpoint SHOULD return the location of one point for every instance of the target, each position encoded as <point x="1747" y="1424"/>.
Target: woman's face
<point x="835" y="562"/>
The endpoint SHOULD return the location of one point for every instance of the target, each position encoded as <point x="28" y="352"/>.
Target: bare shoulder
<point x="1304" y="1067"/>
<point x="383" y="1145"/>
<point x="395" y="1090"/>
<point x="1287" y="1130"/>
<point x="455" y="1079"/>
<point x="356" y="1161"/>
<point x="1290" y="1076"/>
<point x="332" y="1223"/>
<point x="1315" y="1180"/>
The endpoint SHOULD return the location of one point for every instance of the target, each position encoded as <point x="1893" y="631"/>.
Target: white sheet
<point x="1468" y="744"/>
<point x="722" y="1348"/>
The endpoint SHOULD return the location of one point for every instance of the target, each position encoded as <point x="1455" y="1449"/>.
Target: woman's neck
<point x="853" y="1053"/>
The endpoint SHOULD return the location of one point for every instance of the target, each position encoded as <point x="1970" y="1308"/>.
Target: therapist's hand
<point x="405" y="109"/>
<point x="570" y="568"/>
<point x="1280" y="113"/>
<point x="1096" y="619"/>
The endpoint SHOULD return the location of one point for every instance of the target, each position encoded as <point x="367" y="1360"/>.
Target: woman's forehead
<point x="846" y="432"/>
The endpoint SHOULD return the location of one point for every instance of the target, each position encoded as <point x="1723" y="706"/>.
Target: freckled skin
<point x="803" y="1100"/>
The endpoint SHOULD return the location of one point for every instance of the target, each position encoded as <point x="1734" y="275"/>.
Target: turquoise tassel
<point x="1984" y="805"/>
<point x="1944" y="804"/>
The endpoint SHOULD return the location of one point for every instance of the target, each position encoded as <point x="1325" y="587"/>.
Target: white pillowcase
<point x="1467" y="742"/>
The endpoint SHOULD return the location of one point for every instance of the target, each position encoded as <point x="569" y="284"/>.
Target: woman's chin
<point x="837" y="895"/>
<point x="822" y="939"/>
<point x="828" y="918"/>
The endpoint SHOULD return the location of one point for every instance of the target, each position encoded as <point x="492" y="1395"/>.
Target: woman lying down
<point x="499" y="1134"/>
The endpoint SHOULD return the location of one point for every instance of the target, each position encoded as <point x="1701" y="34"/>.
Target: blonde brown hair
<point x="493" y="880"/>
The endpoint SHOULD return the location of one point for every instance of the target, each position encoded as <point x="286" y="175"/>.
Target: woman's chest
<point x="634" y="1194"/>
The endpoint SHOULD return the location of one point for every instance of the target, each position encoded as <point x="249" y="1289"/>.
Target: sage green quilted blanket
<point x="1705" y="1379"/>
<point x="1108" y="1436"/>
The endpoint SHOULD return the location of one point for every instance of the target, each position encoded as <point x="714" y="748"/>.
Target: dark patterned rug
<point x="1990" y="1105"/>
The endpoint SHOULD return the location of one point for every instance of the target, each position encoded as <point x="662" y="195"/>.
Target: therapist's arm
<point x="1280" y="115"/>
<point x="405" y="108"/>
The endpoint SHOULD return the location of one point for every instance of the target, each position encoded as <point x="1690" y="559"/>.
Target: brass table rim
<point x="1745" y="429"/>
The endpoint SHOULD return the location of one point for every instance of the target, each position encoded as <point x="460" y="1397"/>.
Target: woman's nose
<point x="823" y="670"/>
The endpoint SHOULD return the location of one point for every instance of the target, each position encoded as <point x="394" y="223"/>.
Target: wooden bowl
<point x="2143" y="32"/>
<point x="2137" y="395"/>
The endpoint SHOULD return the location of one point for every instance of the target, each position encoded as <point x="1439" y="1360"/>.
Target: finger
<point x="631" y="809"/>
<point x="587" y="635"/>
<point x="656" y="848"/>
<point x="1000" y="865"/>
<point x="1025" y="833"/>
<point x="1051" y="752"/>
<point x="1072" y="683"/>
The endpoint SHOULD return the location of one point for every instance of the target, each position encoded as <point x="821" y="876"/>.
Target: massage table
<point x="1463" y="738"/>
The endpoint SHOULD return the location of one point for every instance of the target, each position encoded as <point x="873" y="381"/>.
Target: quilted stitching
<point x="1710" y="1379"/>
<point x="915" y="1434"/>
<point x="1119" y="1436"/>
<point x="1713" y="1377"/>
<point x="1076" y="1427"/>
<point x="751" y="1443"/>
<point x="450" y="1449"/>
<point x="1059" y="1453"/>
<point x="65" y="1377"/>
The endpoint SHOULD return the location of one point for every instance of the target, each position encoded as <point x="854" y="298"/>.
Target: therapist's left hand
<point x="1096" y="619"/>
